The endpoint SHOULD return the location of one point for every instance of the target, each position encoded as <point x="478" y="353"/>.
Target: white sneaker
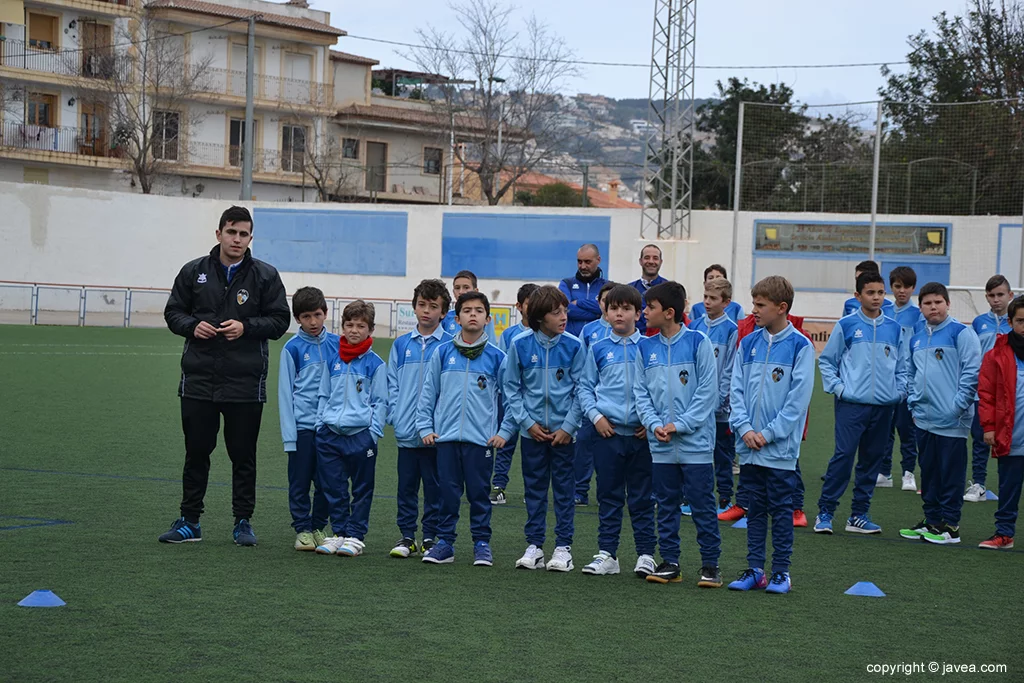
<point x="909" y="483"/>
<point x="975" y="493"/>
<point x="883" y="482"/>
<point x="603" y="563"/>
<point x="736" y="467"/>
<point x="561" y="560"/>
<point x="352" y="547"/>
<point x="330" y="545"/>
<point x="533" y="558"/>
<point x="644" y="566"/>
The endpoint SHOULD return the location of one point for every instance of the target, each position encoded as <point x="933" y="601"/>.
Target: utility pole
<point x="586" y="184"/>
<point x="247" y="141"/>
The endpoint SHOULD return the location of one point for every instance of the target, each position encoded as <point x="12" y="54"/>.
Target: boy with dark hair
<point x="540" y="379"/>
<point x="464" y="281"/>
<point x="458" y="412"/>
<point x="944" y="364"/>
<point x="987" y="326"/>
<point x="772" y="383"/>
<point x="503" y="459"/>
<point x="852" y="304"/>
<point x="303" y="360"/>
<point x="621" y="454"/>
<point x="732" y="309"/>
<point x="350" y="420"/>
<point x="864" y="366"/>
<point x="596" y="330"/>
<point x="722" y="332"/>
<point x="676" y="394"/>
<point x="1001" y="394"/>
<point x="408" y="361"/>
<point x="902" y="282"/>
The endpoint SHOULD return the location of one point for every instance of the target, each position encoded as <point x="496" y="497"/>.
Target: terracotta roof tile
<point x="352" y="59"/>
<point x="533" y="181"/>
<point x="214" y="9"/>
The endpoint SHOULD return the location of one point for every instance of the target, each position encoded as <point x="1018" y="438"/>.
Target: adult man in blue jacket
<point x="582" y="289"/>
<point x="650" y="264"/>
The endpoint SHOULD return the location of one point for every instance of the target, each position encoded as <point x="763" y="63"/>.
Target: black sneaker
<point x="243" y="533"/>
<point x="665" y="573"/>
<point x="943" y="535"/>
<point x="404" y="548"/>
<point x="710" y="577"/>
<point x="182" y="531"/>
<point x="498" y="496"/>
<point x="428" y="543"/>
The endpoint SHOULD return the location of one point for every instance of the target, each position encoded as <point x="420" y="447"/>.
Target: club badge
<point x="242" y="296"/>
<point x="778" y="374"/>
<point x="684" y="377"/>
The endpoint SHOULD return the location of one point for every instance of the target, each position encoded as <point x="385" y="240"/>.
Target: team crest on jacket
<point x="242" y="296"/>
<point x="359" y="386"/>
<point x="778" y="374"/>
<point x="938" y="354"/>
<point x="560" y="374"/>
<point x="684" y="377"/>
<point x="481" y="382"/>
<point x="886" y="351"/>
<point x="716" y="352"/>
<point x="201" y="279"/>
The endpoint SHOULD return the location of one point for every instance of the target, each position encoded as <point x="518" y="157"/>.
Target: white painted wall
<point x="66" y="235"/>
<point x="350" y="84"/>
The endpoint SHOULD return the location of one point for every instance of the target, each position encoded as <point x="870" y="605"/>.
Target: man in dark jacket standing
<point x="582" y="289"/>
<point x="227" y="306"/>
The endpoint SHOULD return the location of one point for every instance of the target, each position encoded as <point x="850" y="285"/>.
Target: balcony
<point x="85" y="64"/>
<point x="272" y="90"/>
<point x="226" y="160"/>
<point x="58" y="144"/>
<point x="114" y="7"/>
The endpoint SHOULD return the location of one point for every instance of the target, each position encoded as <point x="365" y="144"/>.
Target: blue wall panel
<point x="519" y="246"/>
<point x="321" y="241"/>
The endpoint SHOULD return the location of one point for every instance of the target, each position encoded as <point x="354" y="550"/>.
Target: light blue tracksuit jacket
<point x="606" y="389"/>
<point x="595" y="331"/>
<point x="987" y="326"/>
<point x="407" y="366"/>
<point x="354" y="396"/>
<point x="510" y="333"/>
<point x="723" y="333"/>
<point x="302" y="364"/>
<point x="865" y="361"/>
<point x="944" y="364"/>
<point x="539" y="383"/>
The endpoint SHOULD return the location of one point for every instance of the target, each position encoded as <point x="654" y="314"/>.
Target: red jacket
<point x="997" y="394"/>
<point x="746" y="326"/>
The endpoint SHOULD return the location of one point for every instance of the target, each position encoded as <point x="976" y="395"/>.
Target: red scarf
<point x="349" y="353"/>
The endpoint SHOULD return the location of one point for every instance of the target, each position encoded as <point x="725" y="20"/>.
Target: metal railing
<point x="268" y="88"/>
<point x="211" y="155"/>
<point x="90" y="64"/>
<point x="64" y="139"/>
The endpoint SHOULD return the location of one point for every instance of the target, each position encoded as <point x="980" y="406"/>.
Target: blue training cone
<point x="989" y="495"/>
<point x="865" y="589"/>
<point x="42" y="598"/>
<point x="741" y="524"/>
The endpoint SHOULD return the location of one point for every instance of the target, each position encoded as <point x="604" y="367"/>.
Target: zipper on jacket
<point x="759" y="414"/>
<point x="927" y="355"/>
<point x="547" y="395"/>
<point x="465" y="390"/>
<point x="629" y="385"/>
<point x="874" y="350"/>
<point x="671" y="398"/>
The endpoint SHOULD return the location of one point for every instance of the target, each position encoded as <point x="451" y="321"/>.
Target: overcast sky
<point x="729" y="32"/>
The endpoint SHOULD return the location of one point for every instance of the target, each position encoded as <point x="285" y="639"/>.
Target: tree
<point x="145" y="89"/>
<point x="554" y="194"/>
<point x="515" y="75"/>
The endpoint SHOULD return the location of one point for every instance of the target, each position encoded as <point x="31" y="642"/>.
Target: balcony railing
<point x="96" y="64"/>
<point x="211" y="155"/>
<point x="269" y="88"/>
<point x="55" y="139"/>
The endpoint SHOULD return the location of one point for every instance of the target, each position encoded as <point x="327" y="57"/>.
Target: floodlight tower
<point x="668" y="157"/>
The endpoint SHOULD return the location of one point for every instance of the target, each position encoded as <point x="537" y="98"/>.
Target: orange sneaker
<point x="799" y="518"/>
<point x="733" y="513"/>
<point x="997" y="542"/>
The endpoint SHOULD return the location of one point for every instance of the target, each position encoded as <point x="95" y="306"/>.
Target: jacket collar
<point x="899" y="309"/>
<point x="305" y="336"/>
<point x="773" y="338"/>
<point x="935" y="328"/>
<point x="437" y="334"/>
<point x="677" y="336"/>
<point x="545" y="341"/>
<point x="874" y="322"/>
<point x="633" y="338"/>
<point x="717" y="321"/>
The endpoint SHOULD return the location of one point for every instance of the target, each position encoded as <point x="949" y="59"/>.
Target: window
<point x="350" y="148"/>
<point x="41" y="109"/>
<point x="42" y="31"/>
<point x="166" y="125"/>
<point x="236" y="141"/>
<point x="432" y="160"/>
<point x="293" y="148"/>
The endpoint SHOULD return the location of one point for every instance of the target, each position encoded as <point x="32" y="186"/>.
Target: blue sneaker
<point x="780" y="583"/>
<point x="684" y="509"/>
<point x="443" y="552"/>
<point x="823" y="524"/>
<point x="862" y="524"/>
<point x="749" y="580"/>
<point x="182" y="532"/>
<point x="581" y="501"/>
<point x="244" y="535"/>
<point x="482" y="554"/>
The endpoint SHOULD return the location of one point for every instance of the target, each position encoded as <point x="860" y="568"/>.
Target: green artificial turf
<point x="90" y="435"/>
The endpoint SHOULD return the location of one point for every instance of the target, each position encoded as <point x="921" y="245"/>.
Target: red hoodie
<point x="997" y="394"/>
<point x="746" y="326"/>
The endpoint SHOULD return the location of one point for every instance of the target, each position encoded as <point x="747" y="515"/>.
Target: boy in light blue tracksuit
<point x="539" y="384"/>
<point x="772" y="383"/>
<point x="622" y="456"/>
<point x="723" y="332"/>
<point x="465" y="281"/>
<point x="407" y="363"/>
<point x="503" y="458"/>
<point x="583" y="461"/>
<point x="353" y="405"/>
<point x="303" y="359"/>
<point x="676" y="393"/>
<point x="853" y="303"/>
<point x="458" y="412"/>
<point x="987" y="326"/>
<point x="902" y="283"/>
<point x="732" y="309"/>
<point x="944" y="365"/>
<point x="864" y="366"/>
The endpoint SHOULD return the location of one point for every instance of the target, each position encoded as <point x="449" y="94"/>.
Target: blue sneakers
<point x="780" y="583"/>
<point x="443" y="552"/>
<point x="244" y="535"/>
<point x="749" y="580"/>
<point x="482" y="554"/>
<point x="685" y="510"/>
<point x="862" y="524"/>
<point x="182" y="532"/>
<point x="823" y="524"/>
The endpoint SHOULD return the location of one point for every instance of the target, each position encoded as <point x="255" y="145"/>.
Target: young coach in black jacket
<point x="227" y="306"/>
